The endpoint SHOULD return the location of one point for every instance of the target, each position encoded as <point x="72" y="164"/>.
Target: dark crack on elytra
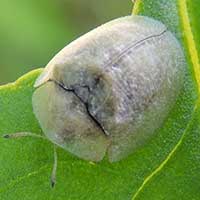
<point x="131" y="46"/>
<point x="85" y="103"/>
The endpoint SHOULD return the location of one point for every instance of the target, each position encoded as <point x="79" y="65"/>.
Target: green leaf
<point x="166" y="167"/>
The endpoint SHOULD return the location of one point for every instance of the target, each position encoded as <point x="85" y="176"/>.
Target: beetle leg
<point x="53" y="175"/>
<point x="28" y="134"/>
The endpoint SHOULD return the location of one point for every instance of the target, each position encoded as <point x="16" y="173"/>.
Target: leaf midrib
<point x="189" y="38"/>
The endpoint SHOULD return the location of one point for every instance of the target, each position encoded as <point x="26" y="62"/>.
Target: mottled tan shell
<point x="110" y="89"/>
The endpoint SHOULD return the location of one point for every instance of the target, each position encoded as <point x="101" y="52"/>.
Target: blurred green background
<point x="33" y="31"/>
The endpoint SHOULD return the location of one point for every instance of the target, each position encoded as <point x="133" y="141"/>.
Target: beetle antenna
<point x="22" y="134"/>
<point x="53" y="175"/>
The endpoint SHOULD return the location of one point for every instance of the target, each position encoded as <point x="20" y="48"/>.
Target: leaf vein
<point x="164" y="162"/>
<point x="19" y="179"/>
